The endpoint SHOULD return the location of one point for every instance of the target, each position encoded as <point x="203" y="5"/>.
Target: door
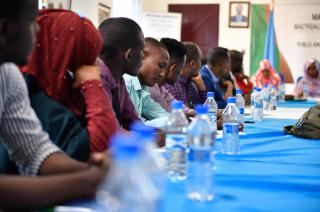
<point x="200" y="24"/>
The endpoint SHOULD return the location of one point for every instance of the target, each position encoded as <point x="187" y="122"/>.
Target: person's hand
<point x="101" y="160"/>
<point x="227" y="84"/>
<point x="219" y="124"/>
<point x="161" y="138"/>
<point x="99" y="165"/>
<point x="219" y="114"/>
<point x="85" y="73"/>
<point x="241" y="126"/>
<point x="190" y="113"/>
<point x="197" y="80"/>
<point x="245" y="77"/>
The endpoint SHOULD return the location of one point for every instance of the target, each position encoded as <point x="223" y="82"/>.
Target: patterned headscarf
<point x="259" y="79"/>
<point x="65" y="42"/>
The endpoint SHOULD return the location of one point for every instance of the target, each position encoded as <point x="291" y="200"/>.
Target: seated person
<point x="216" y="69"/>
<point x="189" y="87"/>
<point x="158" y="92"/>
<point x="21" y="132"/>
<point x="266" y="75"/>
<point x="311" y="79"/>
<point x="61" y="72"/>
<point x="121" y="54"/>
<point x="155" y="60"/>
<point x="242" y="80"/>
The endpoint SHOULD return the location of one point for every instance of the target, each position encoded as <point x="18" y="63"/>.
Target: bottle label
<point x="199" y="155"/>
<point x="174" y="139"/>
<point x="212" y="116"/>
<point x="241" y="111"/>
<point x="231" y="128"/>
<point x="259" y="105"/>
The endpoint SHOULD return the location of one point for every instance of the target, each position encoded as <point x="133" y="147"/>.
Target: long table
<point x="273" y="172"/>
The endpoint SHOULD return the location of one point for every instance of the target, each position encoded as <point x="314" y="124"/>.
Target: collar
<point x="213" y="77"/>
<point x="182" y="79"/>
<point x="107" y="75"/>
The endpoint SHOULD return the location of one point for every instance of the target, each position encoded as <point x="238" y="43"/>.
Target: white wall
<point x="89" y="8"/>
<point x="232" y="38"/>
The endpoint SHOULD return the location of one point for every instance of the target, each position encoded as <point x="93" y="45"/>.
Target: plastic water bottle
<point x="230" y="137"/>
<point x="305" y="90"/>
<point x="282" y="92"/>
<point x="266" y="97"/>
<point x="127" y="186"/>
<point x="252" y="98"/>
<point x="200" y="181"/>
<point x="240" y="103"/>
<point x="273" y="98"/>
<point x="212" y="110"/>
<point x="258" y="106"/>
<point x="153" y="162"/>
<point x="176" y="143"/>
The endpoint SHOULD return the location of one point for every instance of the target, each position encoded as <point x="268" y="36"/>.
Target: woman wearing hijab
<point x="311" y="79"/>
<point x="266" y="75"/>
<point x="62" y="67"/>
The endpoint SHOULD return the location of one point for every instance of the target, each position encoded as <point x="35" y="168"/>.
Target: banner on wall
<point x="297" y="28"/>
<point x="264" y="42"/>
<point x="297" y="37"/>
<point x="159" y="25"/>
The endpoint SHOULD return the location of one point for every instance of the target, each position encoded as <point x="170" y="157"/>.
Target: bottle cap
<point x="201" y="109"/>
<point x="238" y="91"/>
<point x="176" y="105"/>
<point x="210" y="94"/>
<point x="231" y="100"/>
<point x="265" y="85"/>
<point x="143" y="130"/>
<point x="259" y="89"/>
<point x="125" y="146"/>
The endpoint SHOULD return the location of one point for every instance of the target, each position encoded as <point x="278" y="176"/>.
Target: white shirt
<point x="20" y="130"/>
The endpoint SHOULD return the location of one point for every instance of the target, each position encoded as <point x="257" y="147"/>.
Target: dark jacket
<point x="212" y="86"/>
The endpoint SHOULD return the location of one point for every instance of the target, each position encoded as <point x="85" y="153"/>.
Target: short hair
<point x="236" y="61"/>
<point x="176" y="49"/>
<point x="216" y="55"/>
<point x="118" y="34"/>
<point x="11" y="8"/>
<point x="192" y="50"/>
<point x="154" y="42"/>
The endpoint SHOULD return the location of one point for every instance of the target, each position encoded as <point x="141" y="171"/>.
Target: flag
<point x="271" y="53"/>
<point x="264" y="42"/>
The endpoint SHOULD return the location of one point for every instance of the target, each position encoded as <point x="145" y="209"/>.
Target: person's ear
<point x="145" y="54"/>
<point x="192" y="64"/>
<point x="128" y="55"/>
<point x="172" y="68"/>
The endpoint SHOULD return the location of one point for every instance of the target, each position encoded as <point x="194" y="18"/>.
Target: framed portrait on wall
<point x="239" y="14"/>
<point x="56" y="4"/>
<point x="104" y="12"/>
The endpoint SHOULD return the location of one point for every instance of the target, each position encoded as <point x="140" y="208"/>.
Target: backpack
<point x="308" y="126"/>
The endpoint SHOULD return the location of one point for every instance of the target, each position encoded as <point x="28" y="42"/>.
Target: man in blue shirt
<point x="217" y="67"/>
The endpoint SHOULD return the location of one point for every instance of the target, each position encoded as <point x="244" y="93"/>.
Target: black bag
<point x="308" y="126"/>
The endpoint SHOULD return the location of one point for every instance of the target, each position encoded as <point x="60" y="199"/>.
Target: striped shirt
<point x="20" y="130"/>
